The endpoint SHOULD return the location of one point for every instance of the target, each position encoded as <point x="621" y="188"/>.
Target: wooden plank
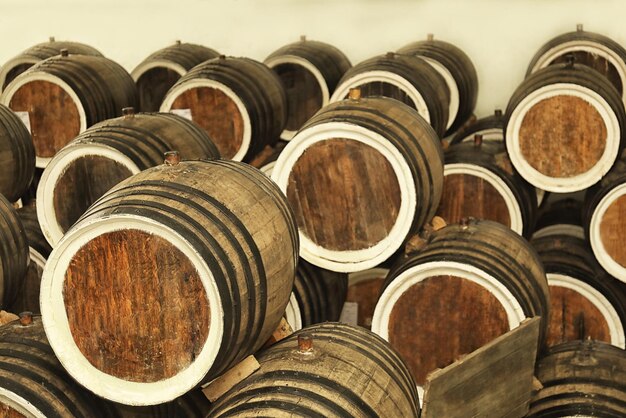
<point x="219" y="386"/>
<point x="493" y="381"/>
<point x="282" y="331"/>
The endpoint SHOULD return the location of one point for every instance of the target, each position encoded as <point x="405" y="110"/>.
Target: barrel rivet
<point x="498" y="113"/>
<point x="430" y="37"/>
<point x="65" y="52"/>
<point x="172" y="158"/>
<point x="128" y="112"/>
<point x="354" y="94"/>
<point x="579" y="27"/>
<point x="52" y="39"/>
<point x="305" y="343"/>
<point x="26" y="318"/>
<point x="478" y="140"/>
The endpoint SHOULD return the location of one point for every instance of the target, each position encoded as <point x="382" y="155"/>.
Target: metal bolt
<point x="172" y="158"/>
<point x="302" y="38"/>
<point x="26" y="318"/>
<point x="128" y="112"/>
<point x="305" y="343"/>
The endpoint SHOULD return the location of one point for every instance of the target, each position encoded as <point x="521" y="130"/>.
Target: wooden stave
<point x="141" y="138"/>
<point x="580" y="378"/>
<point x="574" y="74"/>
<point x="40" y="52"/>
<point x="258" y="87"/>
<point x="420" y="74"/>
<point x="19" y="169"/>
<point x="234" y="347"/>
<point x="486" y="155"/>
<point x="572" y="256"/>
<point x="13" y="252"/>
<point x="460" y="66"/>
<point x="493" y="122"/>
<point x="364" y="351"/>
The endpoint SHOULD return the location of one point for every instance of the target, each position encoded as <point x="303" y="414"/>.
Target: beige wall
<point x="500" y="36"/>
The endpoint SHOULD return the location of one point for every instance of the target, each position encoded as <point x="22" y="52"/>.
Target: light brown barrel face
<point x="136" y="306"/>
<point x="574" y="317"/>
<point x="217" y="114"/>
<point x="467" y="195"/>
<point x="8" y="412"/>
<point x="595" y="61"/>
<point x="304" y="94"/>
<point x="562" y="136"/>
<point x="365" y="293"/>
<point x="381" y="88"/>
<point x="345" y="194"/>
<point x="54" y="116"/>
<point x="441" y="318"/>
<point x="84" y="181"/>
<point x="613" y="230"/>
<point x="152" y="87"/>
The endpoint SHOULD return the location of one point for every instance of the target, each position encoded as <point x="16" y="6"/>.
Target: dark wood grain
<point x="8" y="412"/>
<point x="304" y="94"/>
<point x="441" y="318"/>
<point x="381" y="88"/>
<point x="366" y="294"/>
<point x="562" y="136"/>
<point x="152" y="87"/>
<point x="596" y="62"/>
<point x="345" y="194"/>
<point x="217" y="114"/>
<point x="612" y="230"/>
<point x="149" y="320"/>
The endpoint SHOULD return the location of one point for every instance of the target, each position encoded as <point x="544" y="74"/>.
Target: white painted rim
<point x="452" y="86"/>
<point x="57" y="329"/>
<point x="367" y="275"/>
<point x="293" y="315"/>
<point x="616" y="328"/>
<point x="144" y="67"/>
<point x="21" y="405"/>
<point x="576" y="231"/>
<point x="489" y="134"/>
<point x="11" y="64"/>
<point x="46" y="190"/>
<point x="176" y="91"/>
<point x="586" y="46"/>
<point x="512" y="205"/>
<point x="350" y="261"/>
<point x="595" y="238"/>
<point x="29" y="76"/>
<point x="403" y="84"/>
<point x="37" y="258"/>
<point x="563" y="184"/>
<point x="288" y="135"/>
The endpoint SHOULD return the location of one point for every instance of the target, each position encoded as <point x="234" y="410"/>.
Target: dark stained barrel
<point x="156" y="74"/>
<point x="186" y="266"/>
<point x="191" y="405"/>
<point x="17" y="160"/>
<point x="240" y="102"/>
<point x="604" y="220"/>
<point x="364" y="289"/>
<point x="36" y="53"/>
<point x="585" y="301"/>
<point x="490" y="127"/>
<point x="457" y="69"/>
<point x="594" y="50"/>
<point x="327" y="370"/>
<point x="406" y="78"/>
<point x="560" y="217"/>
<point x="318" y="296"/>
<point x="14" y="256"/>
<point x="65" y="95"/>
<point x="469" y="284"/>
<point x="310" y="71"/>
<point x="564" y="128"/>
<point x="480" y="182"/>
<point x="361" y="175"/>
<point x="266" y="159"/>
<point x="106" y="154"/>
<point x="581" y="379"/>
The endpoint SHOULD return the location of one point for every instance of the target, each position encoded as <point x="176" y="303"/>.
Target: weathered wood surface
<point x="365" y="293"/>
<point x="612" y="230"/>
<point x="304" y="95"/>
<point x="17" y="156"/>
<point x="222" y="384"/>
<point x="14" y="254"/>
<point x="493" y="381"/>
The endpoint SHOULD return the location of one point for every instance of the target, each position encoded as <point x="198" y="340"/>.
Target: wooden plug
<point x="222" y="384"/>
<point x="438" y="223"/>
<point x="6" y="317"/>
<point x="283" y="331"/>
<point x="172" y="158"/>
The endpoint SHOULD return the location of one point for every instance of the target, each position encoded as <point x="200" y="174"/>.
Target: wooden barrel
<point x="469" y="284"/>
<point x="585" y="302"/>
<point x="564" y="128"/>
<point x="191" y="405"/>
<point x="405" y="78"/>
<point x="156" y="74"/>
<point x="31" y="56"/>
<point x="318" y="296"/>
<point x="458" y="71"/>
<point x="14" y="258"/>
<point x="266" y="159"/>
<point x="169" y="279"/>
<point x="327" y="370"/>
<point x="604" y="220"/>
<point x="310" y="71"/>
<point x="31" y="192"/>
<point x="491" y="128"/>
<point x="581" y="379"/>
<point x="106" y="154"/>
<point x="560" y="217"/>
<point x="240" y="102"/>
<point x="66" y="94"/>
<point x="17" y="160"/>
<point x="38" y="248"/>
<point x="32" y="381"/>
<point x="364" y="289"/>
<point x="480" y="182"/>
<point x="594" y="50"/>
<point x="360" y="176"/>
